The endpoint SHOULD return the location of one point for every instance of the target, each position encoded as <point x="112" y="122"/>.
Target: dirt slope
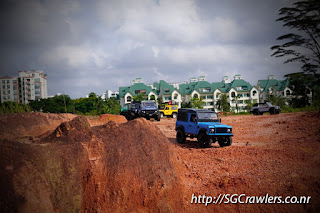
<point x="78" y="168"/>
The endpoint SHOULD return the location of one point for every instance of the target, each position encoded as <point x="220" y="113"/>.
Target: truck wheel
<point x="272" y="111"/>
<point x="203" y="140"/>
<point x="180" y="136"/>
<point x="278" y="112"/>
<point x="174" y="115"/>
<point x="225" y="141"/>
<point x="161" y="115"/>
<point x="255" y="112"/>
<point x="158" y="117"/>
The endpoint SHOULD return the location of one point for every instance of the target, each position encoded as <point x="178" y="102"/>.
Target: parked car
<point x="204" y="125"/>
<point x="169" y="110"/>
<point x="259" y="109"/>
<point x="149" y="109"/>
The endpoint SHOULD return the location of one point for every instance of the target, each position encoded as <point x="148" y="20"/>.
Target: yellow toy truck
<point x="169" y="110"/>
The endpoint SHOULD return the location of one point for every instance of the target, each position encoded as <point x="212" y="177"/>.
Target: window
<point x="254" y="93"/>
<point x="140" y="92"/>
<point x="239" y="88"/>
<point x="244" y="87"/>
<point x="8" y="81"/>
<point x="233" y="94"/>
<point x="210" y="97"/>
<point x="204" y="97"/>
<point x="241" y="95"/>
<point x="129" y="99"/>
<point x="207" y="89"/>
<point x="152" y="97"/>
<point x="3" y="81"/>
<point x="14" y="87"/>
<point x="175" y="96"/>
<point x="173" y="108"/>
<point x="14" y="81"/>
<point x="167" y="98"/>
<point x="288" y="92"/>
<point x="217" y="95"/>
<point x="195" y="96"/>
<point x="8" y="86"/>
<point x="3" y="86"/>
<point x="182" y="116"/>
<point x="240" y="101"/>
<point x="37" y="85"/>
<point x="37" y="79"/>
<point x="37" y="92"/>
<point x="166" y="90"/>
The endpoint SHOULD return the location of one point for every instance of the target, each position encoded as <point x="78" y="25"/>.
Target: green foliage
<point x="93" y="105"/>
<point x="276" y="100"/>
<point x="185" y="105"/>
<point x="13" y="107"/>
<point x="223" y="103"/>
<point x="196" y="103"/>
<point x="302" y="84"/>
<point x="56" y="104"/>
<point x="303" y="44"/>
<point x="249" y="105"/>
<point x="140" y="97"/>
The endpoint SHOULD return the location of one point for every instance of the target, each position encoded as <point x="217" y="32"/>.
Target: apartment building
<point x="239" y="92"/>
<point x="29" y="85"/>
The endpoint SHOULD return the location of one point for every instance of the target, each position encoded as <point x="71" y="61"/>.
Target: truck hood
<point x="213" y="125"/>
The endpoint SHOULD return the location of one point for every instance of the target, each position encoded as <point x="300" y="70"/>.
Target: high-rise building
<point x="29" y="85"/>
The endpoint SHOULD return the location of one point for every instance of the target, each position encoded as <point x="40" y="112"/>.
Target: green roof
<point x="277" y="84"/>
<point x="204" y="84"/>
<point x="166" y="88"/>
<point x="245" y="86"/>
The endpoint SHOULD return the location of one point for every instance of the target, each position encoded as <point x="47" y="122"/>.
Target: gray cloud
<point x="87" y="46"/>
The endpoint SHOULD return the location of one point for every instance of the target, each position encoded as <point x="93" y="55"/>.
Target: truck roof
<point x="195" y="110"/>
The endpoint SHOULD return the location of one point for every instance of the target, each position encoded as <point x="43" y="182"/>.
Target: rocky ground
<point x="64" y="163"/>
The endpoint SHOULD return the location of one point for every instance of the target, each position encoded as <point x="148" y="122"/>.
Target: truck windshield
<point x="207" y="117"/>
<point x="149" y="105"/>
<point x="135" y="106"/>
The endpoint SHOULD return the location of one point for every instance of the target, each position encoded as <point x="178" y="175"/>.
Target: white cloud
<point x="155" y="51"/>
<point x="76" y="56"/>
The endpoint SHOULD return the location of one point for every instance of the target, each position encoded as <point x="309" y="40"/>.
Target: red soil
<point x="137" y="165"/>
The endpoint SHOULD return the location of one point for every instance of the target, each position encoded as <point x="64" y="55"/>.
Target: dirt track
<point x="274" y="154"/>
<point x="80" y="166"/>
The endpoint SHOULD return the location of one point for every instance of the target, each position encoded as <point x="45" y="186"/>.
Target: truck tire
<point x="158" y="117"/>
<point x="225" y="141"/>
<point x="174" y="115"/>
<point x="272" y="111"/>
<point x="255" y="112"/>
<point x="180" y="136"/>
<point x="260" y="113"/>
<point x="204" y="140"/>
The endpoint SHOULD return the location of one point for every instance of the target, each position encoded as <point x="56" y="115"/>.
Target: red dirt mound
<point x="131" y="170"/>
<point x="105" y="118"/>
<point x="76" y="130"/>
<point x="109" y="168"/>
<point x="30" y="124"/>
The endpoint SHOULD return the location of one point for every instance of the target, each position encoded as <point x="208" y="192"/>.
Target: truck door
<point x="192" y="124"/>
<point x="166" y="110"/>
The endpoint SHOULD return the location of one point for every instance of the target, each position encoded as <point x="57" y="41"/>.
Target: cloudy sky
<point x="87" y="46"/>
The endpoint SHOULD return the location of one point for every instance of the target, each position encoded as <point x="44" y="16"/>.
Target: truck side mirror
<point x="220" y="120"/>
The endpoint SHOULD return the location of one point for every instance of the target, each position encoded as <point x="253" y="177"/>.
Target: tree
<point x="223" y="103"/>
<point x="236" y="98"/>
<point x="196" y="103"/>
<point x="301" y="84"/>
<point x="140" y="97"/>
<point x="304" y="18"/>
<point x="276" y="100"/>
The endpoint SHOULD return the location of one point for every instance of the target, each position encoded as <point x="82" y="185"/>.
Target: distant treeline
<point x="93" y="105"/>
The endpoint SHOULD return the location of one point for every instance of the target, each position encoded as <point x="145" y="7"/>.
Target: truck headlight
<point x="229" y="130"/>
<point x="143" y="111"/>
<point x="212" y="130"/>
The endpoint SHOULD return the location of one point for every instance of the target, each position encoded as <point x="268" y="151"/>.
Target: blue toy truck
<point x="203" y="124"/>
